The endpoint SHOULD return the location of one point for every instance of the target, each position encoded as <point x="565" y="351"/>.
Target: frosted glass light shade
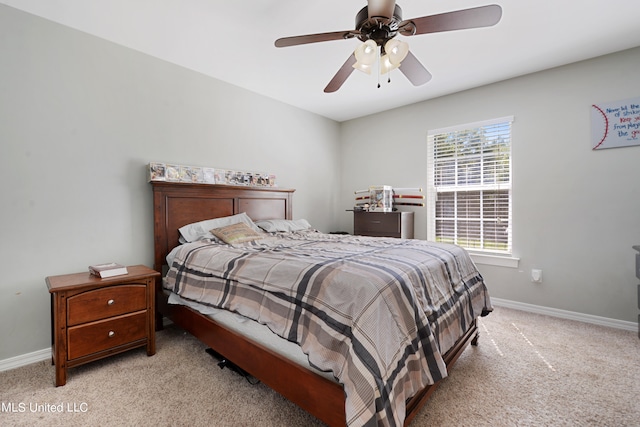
<point x="366" y="55"/>
<point x="386" y="65"/>
<point x="396" y="50"/>
<point x="367" y="52"/>
<point x="365" y="68"/>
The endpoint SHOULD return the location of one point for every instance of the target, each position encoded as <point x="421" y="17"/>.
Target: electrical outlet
<point x="536" y="275"/>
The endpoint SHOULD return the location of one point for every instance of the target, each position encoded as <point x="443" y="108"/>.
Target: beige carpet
<point x="528" y="370"/>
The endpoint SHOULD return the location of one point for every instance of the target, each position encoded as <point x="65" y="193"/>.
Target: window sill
<point x="496" y="260"/>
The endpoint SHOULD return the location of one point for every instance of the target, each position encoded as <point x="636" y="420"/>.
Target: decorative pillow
<point x="201" y="230"/>
<point x="236" y="233"/>
<point x="284" y="225"/>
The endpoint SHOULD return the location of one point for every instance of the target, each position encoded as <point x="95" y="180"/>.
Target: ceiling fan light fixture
<point x="367" y="52"/>
<point x="386" y="65"/>
<point x="365" y="68"/>
<point x="366" y="55"/>
<point x="396" y="50"/>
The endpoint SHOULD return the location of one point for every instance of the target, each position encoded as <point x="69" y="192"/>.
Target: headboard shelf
<point x="177" y="204"/>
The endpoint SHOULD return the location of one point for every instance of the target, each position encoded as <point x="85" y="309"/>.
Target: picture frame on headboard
<point x="158" y="171"/>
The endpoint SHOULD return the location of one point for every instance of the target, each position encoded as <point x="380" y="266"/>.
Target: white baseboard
<point x="564" y="314"/>
<point x="25" y="359"/>
<point x="45" y="354"/>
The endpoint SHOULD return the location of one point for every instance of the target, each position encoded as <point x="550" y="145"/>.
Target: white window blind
<point x="469" y="185"/>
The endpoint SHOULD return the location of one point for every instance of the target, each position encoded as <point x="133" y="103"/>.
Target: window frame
<point x="485" y="255"/>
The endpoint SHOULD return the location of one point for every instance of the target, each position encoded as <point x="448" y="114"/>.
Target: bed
<point x="310" y="387"/>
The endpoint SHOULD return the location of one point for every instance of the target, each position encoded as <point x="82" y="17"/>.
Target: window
<point x="469" y="186"/>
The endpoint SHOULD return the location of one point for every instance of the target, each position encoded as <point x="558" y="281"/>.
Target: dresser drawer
<point x="383" y="224"/>
<point x="106" y="302"/>
<point x="105" y="334"/>
<point x="379" y="223"/>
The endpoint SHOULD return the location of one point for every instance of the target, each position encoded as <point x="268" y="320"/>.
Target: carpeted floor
<point x="528" y="370"/>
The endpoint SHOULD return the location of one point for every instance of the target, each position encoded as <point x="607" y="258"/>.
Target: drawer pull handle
<point x="111" y="333"/>
<point x="110" y="302"/>
<point x="376" y="222"/>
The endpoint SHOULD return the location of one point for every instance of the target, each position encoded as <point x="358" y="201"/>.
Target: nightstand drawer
<point x="103" y="335"/>
<point x="106" y="302"/>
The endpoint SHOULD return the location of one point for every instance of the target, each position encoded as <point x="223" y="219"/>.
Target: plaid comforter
<point x="378" y="313"/>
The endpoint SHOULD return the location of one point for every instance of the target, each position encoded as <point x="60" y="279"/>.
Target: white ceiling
<point x="233" y="40"/>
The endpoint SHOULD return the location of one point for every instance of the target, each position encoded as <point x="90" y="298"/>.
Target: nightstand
<point x="92" y="318"/>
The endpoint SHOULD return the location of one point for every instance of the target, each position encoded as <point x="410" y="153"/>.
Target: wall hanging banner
<point x="615" y="124"/>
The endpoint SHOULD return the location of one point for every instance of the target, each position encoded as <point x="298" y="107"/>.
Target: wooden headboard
<point x="178" y="204"/>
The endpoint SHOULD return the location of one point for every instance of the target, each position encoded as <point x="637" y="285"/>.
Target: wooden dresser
<point x="383" y="224"/>
<point x="92" y="318"/>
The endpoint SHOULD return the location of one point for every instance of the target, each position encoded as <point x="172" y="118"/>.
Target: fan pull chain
<point x="378" y="73"/>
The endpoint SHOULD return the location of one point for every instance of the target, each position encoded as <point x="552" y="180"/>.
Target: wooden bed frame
<point x="178" y="204"/>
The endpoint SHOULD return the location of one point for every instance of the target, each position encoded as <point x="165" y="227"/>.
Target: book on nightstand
<point x="108" y="270"/>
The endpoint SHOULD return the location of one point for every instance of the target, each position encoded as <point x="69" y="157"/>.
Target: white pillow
<point x="284" y="225"/>
<point x="200" y="230"/>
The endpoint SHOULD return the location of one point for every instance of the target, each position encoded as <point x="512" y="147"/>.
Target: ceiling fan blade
<point x="483" y="16"/>
<point x="315" y="38"/>
<point x="382" y="8"/>
<point x="414" y="70"/>
<point x="341" y="76"/>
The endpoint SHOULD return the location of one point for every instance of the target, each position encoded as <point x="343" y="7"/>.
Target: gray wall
<point x="576" y="211"/>
<point x="80" y="118"/>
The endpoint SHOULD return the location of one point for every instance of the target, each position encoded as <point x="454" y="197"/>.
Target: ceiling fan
<point x="377" y="25"/>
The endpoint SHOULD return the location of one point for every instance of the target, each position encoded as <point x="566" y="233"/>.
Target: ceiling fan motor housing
<point x="380" y="29"/>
